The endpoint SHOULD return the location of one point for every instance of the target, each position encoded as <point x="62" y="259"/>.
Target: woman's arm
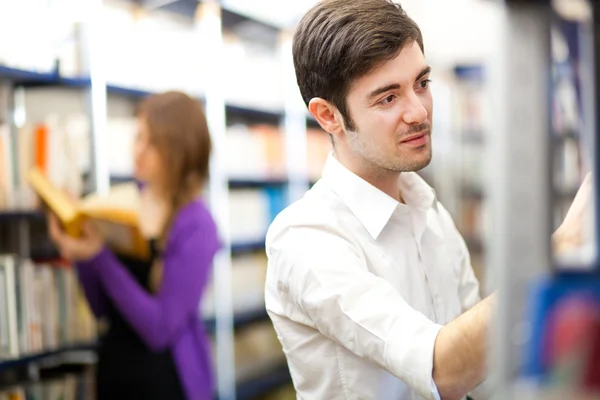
<point x="187" y="265"/>
<point x="92" y="287"/>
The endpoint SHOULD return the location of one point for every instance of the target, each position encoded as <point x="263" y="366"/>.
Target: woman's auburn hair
<point x="178" y="129"/>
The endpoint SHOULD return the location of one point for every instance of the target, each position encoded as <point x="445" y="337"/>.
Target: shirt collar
<point x="371" y="206"/>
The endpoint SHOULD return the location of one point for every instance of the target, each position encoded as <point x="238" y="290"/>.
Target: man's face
<point x="392" y="111"/>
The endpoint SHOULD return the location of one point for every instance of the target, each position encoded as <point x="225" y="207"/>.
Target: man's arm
<point x="326" y="279"/>
<point x="572" y="231"/>
<point x="460" y="353"/>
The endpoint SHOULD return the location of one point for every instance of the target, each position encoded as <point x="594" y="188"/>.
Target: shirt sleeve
<point x="328" y="280"/>
<point x="434" y="390"/>
<point x="187" y="264"/>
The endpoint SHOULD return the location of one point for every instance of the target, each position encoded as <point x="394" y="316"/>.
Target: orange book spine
<point x="41" y="147"/>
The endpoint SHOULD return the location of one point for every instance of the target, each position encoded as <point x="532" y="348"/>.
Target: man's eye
<point x="388" y="99"/>
<point x="425" y="83"/>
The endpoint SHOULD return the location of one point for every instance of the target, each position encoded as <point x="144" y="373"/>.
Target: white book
<point x="7" y="183"/>
<point x="24" y="196"/>
<point x="26" y="281"/>
<point x="48" y="308"/>
<point x="8" y="263"/>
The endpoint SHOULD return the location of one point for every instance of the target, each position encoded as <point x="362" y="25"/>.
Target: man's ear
<point x="326" y="115"/>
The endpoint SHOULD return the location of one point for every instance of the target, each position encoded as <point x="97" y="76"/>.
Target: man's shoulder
<point x="319" y="207"/>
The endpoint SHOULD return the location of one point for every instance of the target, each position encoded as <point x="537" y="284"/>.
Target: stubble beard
<point x="382" y="163"/>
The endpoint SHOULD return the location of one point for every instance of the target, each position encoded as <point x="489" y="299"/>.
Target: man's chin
<point x="414" y="165"/>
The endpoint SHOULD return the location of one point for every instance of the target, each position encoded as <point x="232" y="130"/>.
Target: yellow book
<point x="115" y="214"/>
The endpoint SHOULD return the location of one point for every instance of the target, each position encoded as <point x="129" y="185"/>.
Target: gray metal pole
<point x="93" y="61"/>
<point x="593" y="65"/>
<point x="519" y="181"/>
<point x="210" y="38"/>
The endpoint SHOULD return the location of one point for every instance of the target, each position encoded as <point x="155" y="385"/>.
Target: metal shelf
<point x="245" y="183"/>
<point x="51" y="357"/>
<point x="128" y="92"/>
<point x="234" y="183"/>
<point x="248" y="246"/>
<point x="34" y="79"/>
<point x="240" y="319"/>
<point x="114" y="179"/>
<point x="17" y="215"/>
<point x="230" y="18"/>
<point x="262" y="385"/>
<point x="253" y="114"/>
<point x="23" y="76"/>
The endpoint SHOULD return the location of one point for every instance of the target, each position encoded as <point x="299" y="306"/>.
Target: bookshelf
<point x="11" y="216"/>
<point x="85" y="351"/>
<point x="221" y="30"/>
<point x="460" y="174"/>
<point x="557" y="99"/>
<point x="290" y="120"/>
<point x="275" y="379"/>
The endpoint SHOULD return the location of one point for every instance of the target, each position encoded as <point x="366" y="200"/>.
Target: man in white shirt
<point x="369" y="284"/>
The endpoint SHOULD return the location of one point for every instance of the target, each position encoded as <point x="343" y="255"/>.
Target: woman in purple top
<point x="156" y="347"/>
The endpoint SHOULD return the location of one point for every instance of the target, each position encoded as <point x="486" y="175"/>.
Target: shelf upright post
<point x="588" y="31"/>
<point x="7" y="117"/>
<point x="93" y="58"/>
<point x="518" y="177"/>
<point x="208" y="22"/>
<point x="591" y="89"/>
<point x="13" y="114"/>
<point x="294" y="124"/>
<point x="18" y="118"/>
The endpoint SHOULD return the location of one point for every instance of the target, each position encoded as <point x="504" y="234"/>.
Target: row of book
<point x="248" y="274"/>
<point x="258" y="151"/>
<point x="463" y="158"/>
<point x="54" y="148"/>
<point x="66" y="387"/>
<point x="42" y="308"/>
<point x="257" y="351"/>
<point x="60" y="147"/>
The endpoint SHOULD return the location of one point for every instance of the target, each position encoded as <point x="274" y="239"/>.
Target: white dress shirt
<point x="359" y="285"/>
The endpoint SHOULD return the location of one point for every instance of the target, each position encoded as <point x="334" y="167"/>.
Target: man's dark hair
<point x="339" y="41"/>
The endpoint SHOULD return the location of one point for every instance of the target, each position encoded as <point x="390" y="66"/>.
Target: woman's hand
<point x="572" y="232"/>
<point x="75" y="249"/>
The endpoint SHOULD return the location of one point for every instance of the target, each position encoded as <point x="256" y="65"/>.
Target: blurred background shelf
<point x="76" y="353"/>
<point x="263" y="133"/>
<point x="240" y="183"/>
<point x="8" y="216"/>
<point x="20" y="76"/>
<point x="248" y="246"/>
<point x="267" y="382"/>
<point x="254" y="114"/>
<point x="240" y="319"/>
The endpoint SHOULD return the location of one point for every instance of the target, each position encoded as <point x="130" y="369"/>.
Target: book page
<point x="120" y="205"/>
<point x="121" y="238"/>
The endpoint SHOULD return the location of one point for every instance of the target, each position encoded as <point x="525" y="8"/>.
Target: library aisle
<point x="69" y="93"/>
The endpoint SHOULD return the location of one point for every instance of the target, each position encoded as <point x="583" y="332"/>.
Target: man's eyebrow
<point x="383" y="89"/>
<point x="423" y="72"/>
<point x="395" y="86"/>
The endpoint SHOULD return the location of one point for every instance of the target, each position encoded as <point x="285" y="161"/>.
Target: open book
<point x="115" y="214"/>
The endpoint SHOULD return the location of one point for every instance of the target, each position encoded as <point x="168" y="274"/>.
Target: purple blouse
<point x="171" y="317"/>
